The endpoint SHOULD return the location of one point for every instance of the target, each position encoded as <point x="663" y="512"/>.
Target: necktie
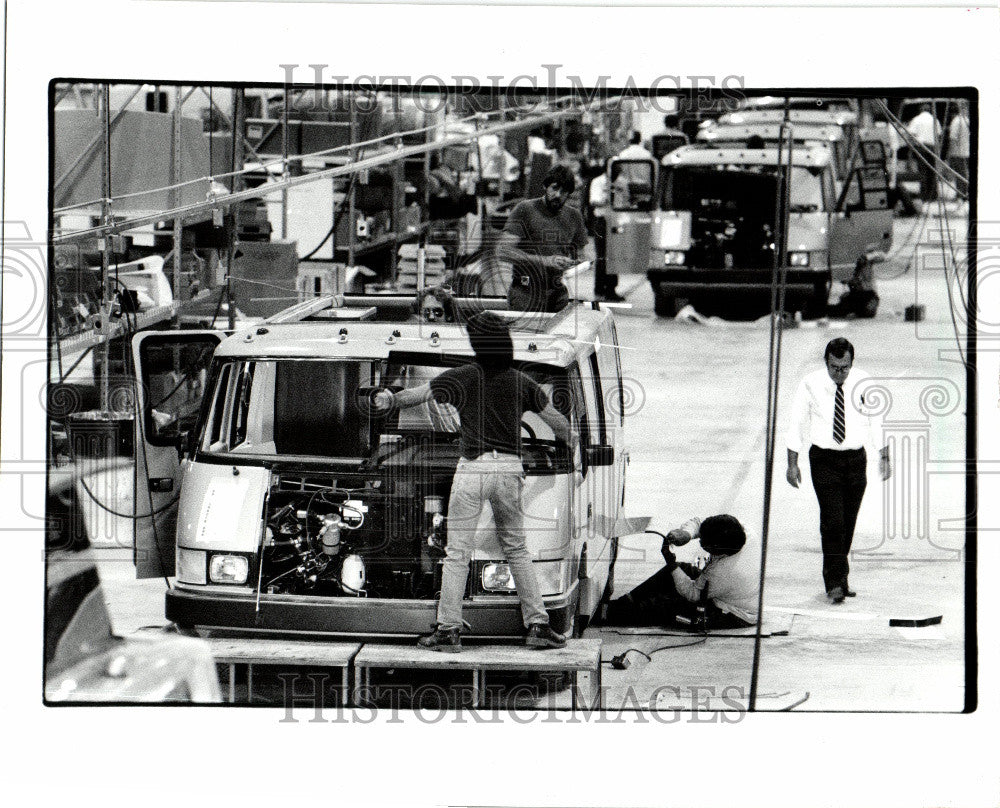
<point x="839" y="428"/>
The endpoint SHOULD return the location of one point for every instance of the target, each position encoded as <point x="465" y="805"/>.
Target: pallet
<point x="576" y="656"/>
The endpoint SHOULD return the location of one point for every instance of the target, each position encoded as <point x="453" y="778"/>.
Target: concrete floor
<point x="697" y="435"/>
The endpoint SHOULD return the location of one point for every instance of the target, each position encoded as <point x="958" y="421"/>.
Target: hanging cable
<point x="779" y="276"/>
<point x="915" y="150"/>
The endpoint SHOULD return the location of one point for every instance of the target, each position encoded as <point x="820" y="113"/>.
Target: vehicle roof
<point x="798" y="102"/>
<point x="770" y="131"/>
<point x="705" y="155"/>
<point x="816" y="116"/>
<point x="553" y="339"/>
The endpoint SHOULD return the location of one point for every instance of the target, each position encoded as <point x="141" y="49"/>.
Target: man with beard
<point x="543" y="238"/>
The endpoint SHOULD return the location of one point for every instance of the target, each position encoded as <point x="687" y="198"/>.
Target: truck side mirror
<point x="601" y="454"/>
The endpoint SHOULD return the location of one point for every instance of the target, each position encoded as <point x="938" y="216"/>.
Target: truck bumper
<point x="367" y="617"/>
<point x="682" y="281"/>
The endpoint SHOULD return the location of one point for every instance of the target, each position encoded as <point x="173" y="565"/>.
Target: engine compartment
<point x="378" y="535"/>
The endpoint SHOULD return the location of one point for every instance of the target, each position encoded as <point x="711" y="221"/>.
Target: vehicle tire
<point x="186" y="629"/>
<point x="664" y="305"/>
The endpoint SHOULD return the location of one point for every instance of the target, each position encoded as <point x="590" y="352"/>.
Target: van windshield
<point x="735" y="189"/>
<point x="321" y="410"/>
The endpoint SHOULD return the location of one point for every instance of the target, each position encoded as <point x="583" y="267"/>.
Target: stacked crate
<point x="412" y="273"/>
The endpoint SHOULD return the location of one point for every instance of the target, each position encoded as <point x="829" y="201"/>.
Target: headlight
<point x="191" y="566"/>
<point x="798" y="259"/>
<point x="673" y="257"/>
<point x="228" y="569"/>
<point x="497" y="577"/>
<point x="552" y="577"/>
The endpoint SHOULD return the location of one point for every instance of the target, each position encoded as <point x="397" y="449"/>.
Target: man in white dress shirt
<point x="831" y="413"/>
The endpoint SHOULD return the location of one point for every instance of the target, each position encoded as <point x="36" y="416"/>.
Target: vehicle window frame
<point x="615" y="170"/>
<point x="152" y="434"/>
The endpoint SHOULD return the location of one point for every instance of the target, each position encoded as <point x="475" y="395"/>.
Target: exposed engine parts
<point x="355" y="537"/>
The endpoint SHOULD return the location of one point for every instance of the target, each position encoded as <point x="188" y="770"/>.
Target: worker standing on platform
<point x="543" y="238"/>
<point x="491" y="397"/>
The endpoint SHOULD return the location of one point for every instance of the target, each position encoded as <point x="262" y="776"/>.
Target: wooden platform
<point x="253" y="651"/>
<point x="576" y="656"/>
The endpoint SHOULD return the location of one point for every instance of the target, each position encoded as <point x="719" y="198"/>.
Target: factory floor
<point x="697" y="435"/>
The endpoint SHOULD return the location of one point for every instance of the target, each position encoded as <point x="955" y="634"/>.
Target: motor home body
<point x="285" y="503"/>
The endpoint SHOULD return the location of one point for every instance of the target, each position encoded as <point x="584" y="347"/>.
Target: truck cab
<point x="290" y="505"/>
<point x="713" y="234"/>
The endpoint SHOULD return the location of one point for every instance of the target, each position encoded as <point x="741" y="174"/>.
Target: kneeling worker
<point x="490" y="396"/>
<point x="727" y="586"/>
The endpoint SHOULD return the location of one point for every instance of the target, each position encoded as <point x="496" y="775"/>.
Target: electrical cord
<point x="699" y="641"/>
<point x="113" y="512"/>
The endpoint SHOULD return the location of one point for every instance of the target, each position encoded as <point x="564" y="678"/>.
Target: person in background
<point x="926" y="130"/>
<point x="603" y="190"/>
<point x="958" y="145"/>
<point x="491" y="396"/>
<point x="831" y="411"/>
<point x="672" y="137"/>
<point x="727" y="588"/>
<point x="635" y="150"/>
<point x="542" y="239"/>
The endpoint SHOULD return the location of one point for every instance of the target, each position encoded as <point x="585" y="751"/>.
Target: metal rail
<point x="228" y="200"/>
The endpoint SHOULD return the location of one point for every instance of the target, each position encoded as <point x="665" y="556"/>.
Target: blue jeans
<point x="496" y="478"/>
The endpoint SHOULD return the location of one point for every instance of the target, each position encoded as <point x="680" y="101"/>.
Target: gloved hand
<point x="668" y="555"/>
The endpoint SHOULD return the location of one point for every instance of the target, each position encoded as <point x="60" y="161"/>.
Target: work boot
<point x="836" y="594"/>
<point x="541" y="635"/>
<point x="448" y="640"/>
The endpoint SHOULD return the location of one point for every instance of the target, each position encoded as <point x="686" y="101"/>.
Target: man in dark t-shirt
<point x="542" y="239"/>
<point x="491" y="397"/>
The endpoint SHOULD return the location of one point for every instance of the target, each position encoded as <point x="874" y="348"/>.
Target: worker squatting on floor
<point x="722" y="595"/>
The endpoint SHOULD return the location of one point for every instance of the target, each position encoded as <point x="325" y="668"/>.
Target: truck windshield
<point x="321" y="409"/>
<point x="734" y="189"/>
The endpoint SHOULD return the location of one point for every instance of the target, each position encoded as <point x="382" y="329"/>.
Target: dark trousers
<point x="839" y="478"/>
<point x="604" y="284"/>
<point x="656" y="602"/>
<point x="928" y="179"/>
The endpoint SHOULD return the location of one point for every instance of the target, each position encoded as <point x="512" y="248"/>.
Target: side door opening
<point x="171" y="370"/>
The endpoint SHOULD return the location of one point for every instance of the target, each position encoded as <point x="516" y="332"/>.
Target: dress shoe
<point x="836" y="594"/>
<point x="541" y="635"/>
<point x="448" y="640"/>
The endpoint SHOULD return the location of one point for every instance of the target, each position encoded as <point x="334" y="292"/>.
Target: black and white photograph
<point x="568" y="370"/>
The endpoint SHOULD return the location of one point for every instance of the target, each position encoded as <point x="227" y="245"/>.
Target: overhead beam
<point x="223" y="202"/>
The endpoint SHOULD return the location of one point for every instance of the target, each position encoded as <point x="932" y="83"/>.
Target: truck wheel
<point x="664" y="305"/>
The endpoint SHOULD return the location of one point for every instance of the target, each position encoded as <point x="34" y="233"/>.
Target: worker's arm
<point x="793" y="438"/>
<point x="686" y="588"/>
<point x="386" y="399"/>
<point x="559" y="425"/>
<point x="871" y="399"/>
<point x="508" y="250"/>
